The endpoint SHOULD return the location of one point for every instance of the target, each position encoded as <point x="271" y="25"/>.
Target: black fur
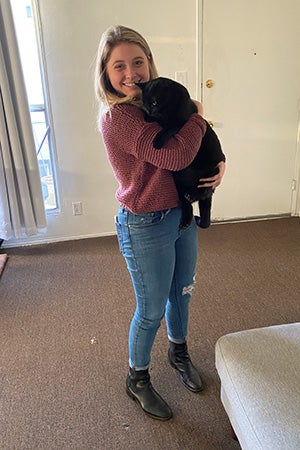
<point x="167" y="102"/>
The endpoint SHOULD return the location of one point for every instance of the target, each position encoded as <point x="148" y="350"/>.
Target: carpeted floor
<point x="65" y="310"/>
<point x="3" y="259"/>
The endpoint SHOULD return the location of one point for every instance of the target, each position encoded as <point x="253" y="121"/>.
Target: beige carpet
<point x="3" y="260"/>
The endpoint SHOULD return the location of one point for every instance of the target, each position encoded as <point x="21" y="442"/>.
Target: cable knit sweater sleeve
<point x="126" y="129"/>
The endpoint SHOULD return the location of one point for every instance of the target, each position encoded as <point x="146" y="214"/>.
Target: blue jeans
<point x="161" y="260"/>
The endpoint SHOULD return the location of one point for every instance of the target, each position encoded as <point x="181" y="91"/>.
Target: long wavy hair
<point x="113" y="36"/>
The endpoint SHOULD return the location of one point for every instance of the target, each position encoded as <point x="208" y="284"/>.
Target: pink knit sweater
<point x="144" y="173"/>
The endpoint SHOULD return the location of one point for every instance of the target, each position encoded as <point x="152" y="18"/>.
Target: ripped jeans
<point x="161" y="260"/>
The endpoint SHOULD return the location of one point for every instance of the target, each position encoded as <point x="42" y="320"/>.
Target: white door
<point x="251" y="54"/>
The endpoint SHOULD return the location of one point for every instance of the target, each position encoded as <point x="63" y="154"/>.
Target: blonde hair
<point x="113" y="36"/>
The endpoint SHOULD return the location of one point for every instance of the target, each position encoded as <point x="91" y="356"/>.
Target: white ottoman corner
<point x="259" y="371"/>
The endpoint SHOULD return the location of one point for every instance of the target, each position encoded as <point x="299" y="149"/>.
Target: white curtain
<point x="22" y="211"/>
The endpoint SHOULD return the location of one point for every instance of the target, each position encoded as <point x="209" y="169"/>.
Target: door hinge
<point x="294" y="185"/>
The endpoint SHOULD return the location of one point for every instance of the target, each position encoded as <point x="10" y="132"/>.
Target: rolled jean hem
<point x="138" y="368"/>
<point x="176" y="341"/>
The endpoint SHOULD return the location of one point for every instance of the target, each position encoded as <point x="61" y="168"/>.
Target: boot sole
<point x="133" y="397"/>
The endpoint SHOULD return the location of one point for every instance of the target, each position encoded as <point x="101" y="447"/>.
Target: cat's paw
<point x="158" y="141"/>
<point x="163" y="136"/>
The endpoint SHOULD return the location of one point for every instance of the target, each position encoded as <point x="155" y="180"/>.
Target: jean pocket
<point x="119" y="234"/>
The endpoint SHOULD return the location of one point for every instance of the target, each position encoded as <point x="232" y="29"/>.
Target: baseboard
<point x="251" y="219"/>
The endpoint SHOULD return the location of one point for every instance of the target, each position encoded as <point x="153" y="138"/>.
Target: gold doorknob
<point x="210" y="123"/>
<point x="209" y="84"/>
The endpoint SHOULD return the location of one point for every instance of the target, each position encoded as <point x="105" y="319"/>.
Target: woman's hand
<point x="216" y="180"/>
<point x="199" y="107"/>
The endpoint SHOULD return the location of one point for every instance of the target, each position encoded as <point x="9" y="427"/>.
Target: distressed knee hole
<point x="188" y="290"/>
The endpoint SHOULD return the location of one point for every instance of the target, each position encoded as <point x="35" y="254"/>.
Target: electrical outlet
<point x="77" y="208"/>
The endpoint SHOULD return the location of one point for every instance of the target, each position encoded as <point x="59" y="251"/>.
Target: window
<point x="31" y="59"/>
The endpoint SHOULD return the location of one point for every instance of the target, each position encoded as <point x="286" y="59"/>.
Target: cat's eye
<point x="153" y="103"/>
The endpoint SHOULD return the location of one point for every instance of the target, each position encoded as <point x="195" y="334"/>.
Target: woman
<point x="160" y="257"/>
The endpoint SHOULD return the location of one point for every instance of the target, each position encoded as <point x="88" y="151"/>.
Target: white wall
<point x="71" y="30"/>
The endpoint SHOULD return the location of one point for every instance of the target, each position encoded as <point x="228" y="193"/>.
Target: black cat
<point x="167" y="102"/>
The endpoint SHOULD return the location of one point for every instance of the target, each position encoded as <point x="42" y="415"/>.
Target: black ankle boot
<point x="139" y="387"/>
<point x="181" y="361"/>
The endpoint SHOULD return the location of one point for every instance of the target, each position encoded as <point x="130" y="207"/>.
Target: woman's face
<point x="127" y="65"/>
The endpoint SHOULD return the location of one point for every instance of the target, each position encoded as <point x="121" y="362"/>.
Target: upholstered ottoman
<point x="259" y="371"/>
